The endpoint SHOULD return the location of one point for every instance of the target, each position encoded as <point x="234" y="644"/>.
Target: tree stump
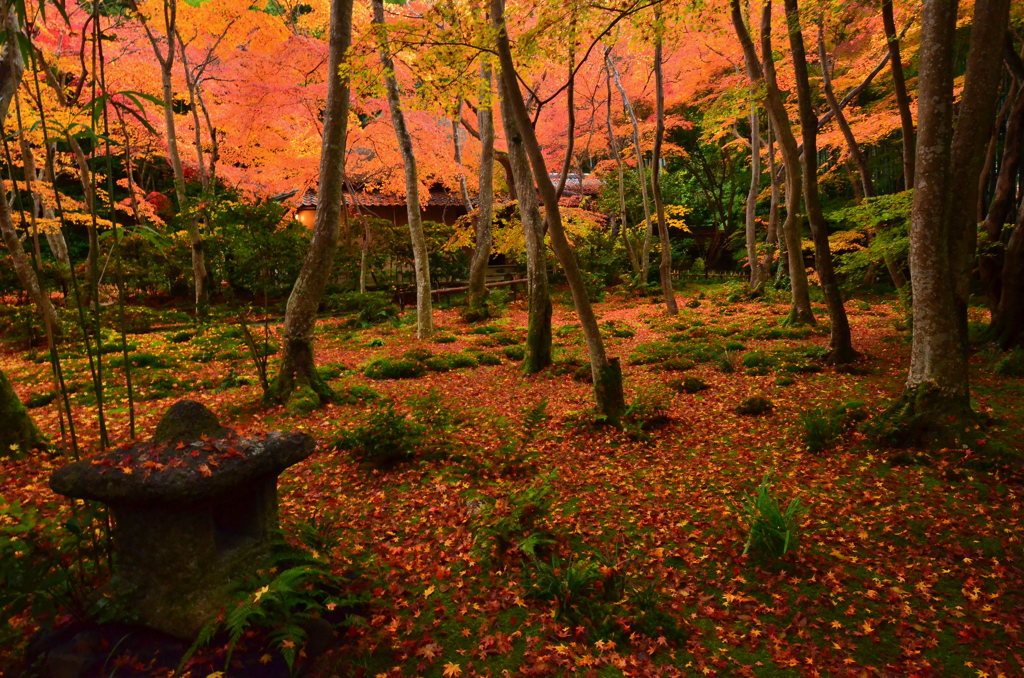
<point x="193" y="511"/>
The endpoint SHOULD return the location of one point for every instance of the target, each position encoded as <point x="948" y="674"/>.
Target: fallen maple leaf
<point x="452" y="669"/>
<point x="205" y="471"/>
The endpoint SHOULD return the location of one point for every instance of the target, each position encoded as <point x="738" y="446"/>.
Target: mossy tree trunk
<point x="424" y="312"/>
<point x="613" y="145"/>
<point x="764" y="76"/>
<point x="606" y="372"/>
<point x="757" y="274"/>
<point x="935" y="409"/>
<point x="485" y="198"/>
<point x="297" y="383"/>
<point x="841" y="342"/>
<point x="538" y="333"/>
<point x="18" y="433"/>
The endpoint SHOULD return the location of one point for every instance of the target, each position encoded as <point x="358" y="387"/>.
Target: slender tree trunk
<point x="613" y="144"/>
<point x="990" y="263"/>
<point x="773" y="211"/>
<point x="851" y="143"/>
<point x="976" y="113"/>
<point x="199" y="273"/>
<point x="54" y="236"/>
<point x="645" y="249"/>
<point x="485" y="199"/>
<point x="1008" y="319"/>
<point x="538" y="333"/>
<point x="665" y="267"/>
<point x="757" y="275"/>
<point x="990" y="153"/>
<point x="297" y="383"/>
<point x="841" y="343"/>
<point x="18" y="433"/>
<point x="12" y="68"/>
<point x="902" y="99"/>
<point x="424" y="313"/>
<point x="800" y="309"/>
<point x="606" y="372"/>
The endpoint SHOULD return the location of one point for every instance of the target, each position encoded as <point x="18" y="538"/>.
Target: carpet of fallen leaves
<point x="901" y="569"/>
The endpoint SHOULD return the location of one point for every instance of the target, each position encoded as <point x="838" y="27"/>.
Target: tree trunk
<point x="606" y="372"/>
<point x="298" y="384"/>
<point x="199" y="273"/>
<point x="18" y="433"/>
<point x="12" y="67"/>
<point x="800" y="309"/>
<point x="990" y="152"/>
<point x="1008" y="319"/>
<point x="645" y="249"/>
<point x="485" y="199"/>
<point x="773" y="211"/>
<point x="424" y="313"/>
<point x="990" y="263"/>
<point x="861" y="161"/>
<point x="757" y="276"/>
<point x="54" y="236"/>
<point x="613" y="144"/>
<point x="979" y="102"/>
<point x="538" y="333"/>
<point x="937" y="395"/>
<point x="841" y="343"/>
<point x="899" y="83"/>
<point x="665" y="267"/>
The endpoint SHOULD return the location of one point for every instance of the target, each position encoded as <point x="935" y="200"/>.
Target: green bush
<point x="734" y="346"/>
<point x="514" y="352"/>
<point x="392" y="368"/>
<point x="418" y="354"/>
<point x="488" y="359"/>
<point x="386" y="438"/>
<point x="370" y="308"/>
<point x="821" y="429"/>
<point x="181" y="337"/>
<point x="1012" y="365"/>
<point x="517" y="520"/>
<point x="444" y="339"/>
<point x="688" y="385"/>
<point x="772" y="533"/>
<point x="677" y="364"/>
<point x="759" y="359"/>
<point x="754" y="406"/>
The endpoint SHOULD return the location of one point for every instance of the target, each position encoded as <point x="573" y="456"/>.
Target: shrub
<point x="759" y="359"/>
<point x="1012" y="365"/>
<point x="418" y="354"/>
<point x="459" y="361"/>
<point x="329" y="371"/>
<point x="648" y="409"/>
<point x="688" y="385"/>
<point x="734" y="346"/>
<point x="514" y="352"/>
<point x="40" y="400"/>
<point x="385" y="439"/>
<point x="821" y="429"/>
<point x="180" y="337"/>
<point x="677" y="364"/>
<point x="370" y="308"/>
<point x="516" y="520"/>
<point x="727" y="363"/>
<point x="391" y="368"/>
<point x="754" y="406"/>
<point x="488" y="359"/>
<point x="772" y="533"/>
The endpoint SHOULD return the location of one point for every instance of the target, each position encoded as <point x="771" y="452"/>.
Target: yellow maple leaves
<point x="452" y="669"/>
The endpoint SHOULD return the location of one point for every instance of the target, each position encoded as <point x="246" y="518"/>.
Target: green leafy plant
<point x="386" y="438"/>
<point x="821" y="429"/>
<point x="754" y="406"/>
<point x="772" y="532"/>
<point x="517" y="520"/>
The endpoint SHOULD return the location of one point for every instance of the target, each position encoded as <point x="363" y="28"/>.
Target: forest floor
<point x="523" y="540"/>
